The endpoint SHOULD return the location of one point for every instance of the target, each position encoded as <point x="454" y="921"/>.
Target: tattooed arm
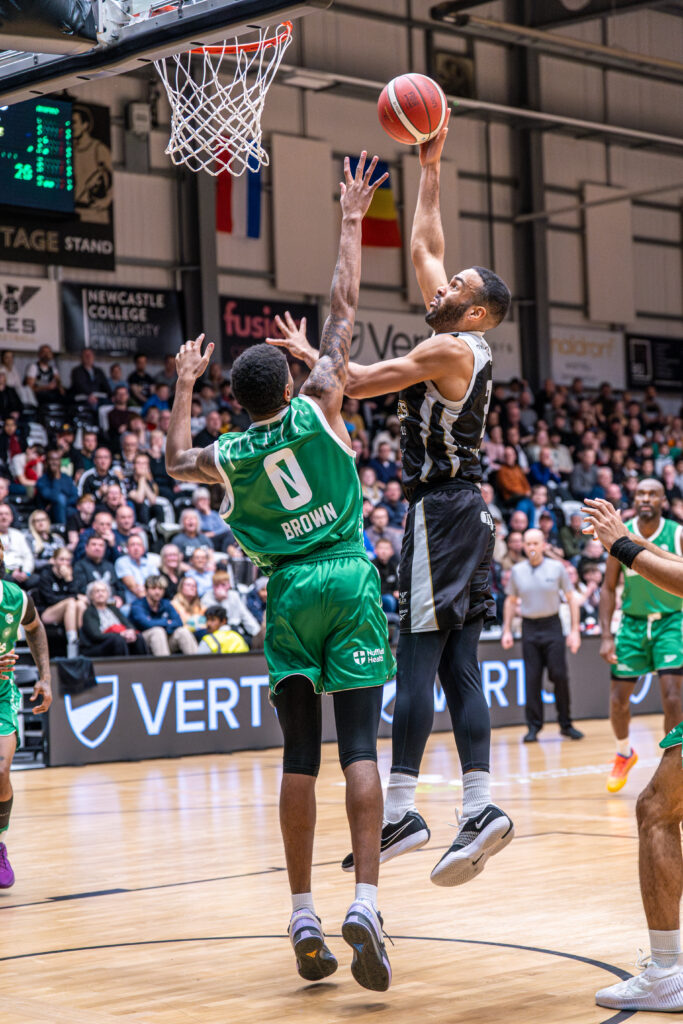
<point x="326" y="382"/>
<point x="36" y="638"/>
<point x="183" y="462"/>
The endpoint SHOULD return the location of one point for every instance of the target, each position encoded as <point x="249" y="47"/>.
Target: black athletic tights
<point x="299" y="710"/>
<point x="454" y="654"/>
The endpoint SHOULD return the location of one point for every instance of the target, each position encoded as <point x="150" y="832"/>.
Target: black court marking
<point x="622" y="1015"/>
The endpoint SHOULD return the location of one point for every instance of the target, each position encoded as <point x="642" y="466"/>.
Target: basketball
<point x="412" y="109"/>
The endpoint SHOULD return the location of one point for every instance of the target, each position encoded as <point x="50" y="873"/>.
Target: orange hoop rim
<point x="232" y="50"/>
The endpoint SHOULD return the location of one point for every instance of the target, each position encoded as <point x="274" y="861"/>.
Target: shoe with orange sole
<point x="616" y="779"/>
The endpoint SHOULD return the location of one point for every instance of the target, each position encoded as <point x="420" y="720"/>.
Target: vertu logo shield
<point x="92" y="722"/>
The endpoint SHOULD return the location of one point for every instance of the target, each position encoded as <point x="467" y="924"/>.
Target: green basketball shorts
<point x="10" y="702"/>
<point x="324" y="620"/>
<point x="648" y="645"/>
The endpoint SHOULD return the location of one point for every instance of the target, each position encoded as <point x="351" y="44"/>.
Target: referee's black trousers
<point x="543" y="646"/>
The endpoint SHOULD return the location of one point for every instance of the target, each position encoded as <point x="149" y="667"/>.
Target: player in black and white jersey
<point x="444" y="599"/>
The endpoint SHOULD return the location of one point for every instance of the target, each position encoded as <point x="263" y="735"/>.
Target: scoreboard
<point x="36" y="155"/>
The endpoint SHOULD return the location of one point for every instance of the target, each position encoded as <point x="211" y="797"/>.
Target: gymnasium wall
<point x="148" y="243"/>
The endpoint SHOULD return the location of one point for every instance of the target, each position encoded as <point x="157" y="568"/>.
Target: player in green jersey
<point x="294" y="503"/>
<point x="660" y="806"/>
<point x="650" y="636"/>
<point x="16" y="609"/>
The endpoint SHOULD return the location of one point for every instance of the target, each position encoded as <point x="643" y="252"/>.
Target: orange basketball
<point x="412" y="108"/>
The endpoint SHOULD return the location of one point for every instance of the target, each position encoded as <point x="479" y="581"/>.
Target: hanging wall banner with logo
<point x="248" y="322"/>
<point x="29" y="313"/>
<point x="595" y="356"/>
<point x="170" y="707"/>
<point x="86" y="238"/>
<point x="657" y="361"/>
<point x="121" y="321"/>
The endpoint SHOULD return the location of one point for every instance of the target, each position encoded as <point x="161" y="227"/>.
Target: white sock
<point x="665" y="948"/>
<point x="400" y="796"/>
<point x="367" y="893"/>
<point x="624" y="747"/>
<point x="72" y="636"/>
<point x="302" y="901"/>
<point x="476" y="793"/>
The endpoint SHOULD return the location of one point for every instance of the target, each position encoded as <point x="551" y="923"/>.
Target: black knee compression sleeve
<point x="5" y="811"/>
<point x="300" y="716"/>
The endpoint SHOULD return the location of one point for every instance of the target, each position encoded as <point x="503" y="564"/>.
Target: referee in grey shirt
<point x="537" y="584"/>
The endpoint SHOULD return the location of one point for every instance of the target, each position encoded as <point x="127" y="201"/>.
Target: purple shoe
<point x="6" y="873"/>
<point x="362" y="930"/>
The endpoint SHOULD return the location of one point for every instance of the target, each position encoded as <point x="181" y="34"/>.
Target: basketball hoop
<point x="216" y="125"/>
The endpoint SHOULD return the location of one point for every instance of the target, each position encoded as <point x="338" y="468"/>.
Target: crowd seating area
<point x="121" y="559"/>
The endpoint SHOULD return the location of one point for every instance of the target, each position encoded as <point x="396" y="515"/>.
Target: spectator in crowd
<point x="222" y="593"/>
<point x="379" y="529"/>
<point x="584" y="477"/>
<point x="514" y="549"/>
<point x="19" y="562"/>
<point x="201" y="570"/>
<point x="115" y="379"/>
<point x="105" y="631"/>
<point x="58" y="600"/>
<point x="27" y="468"/>
<point x="572" y="538"/>
<point x="84" y="458"/>
<point x="168" y="375"/>
<point x="170" y="568"/>
<point x="161" y="627"/>
<point x="139" y="381"/>
<point x="395" y="504"/>
<point x="519" y="521"/>
<point x="391" y="435"/>
<point x="256" y="599"/>
<point x="386" y="563"/>
<point x="511" y="481"/>
<point x="369" y="485"/>
<point x="96" y="480"/>
<point x="129" y="450"/>
<point x="211" y="432"/>
<point x="10" y="441"/>
<point x="159" y="399"/>
<point x="542" y="471"/>
<point x="489" y="496"/>
<point x="132" y="569"/>
<point x="118" y="418"/>
<point x="7" y="363"/>
<point x="94" y="566"/>
<point x="669" y="482"/>
<point x="42" y="540"/>
<point x="80" y="519"/>
<point x="589" y="585"/>
<point x="546" y="524"/>
<point x="88" y="381"/>
<point x="512" y="439"/>
<point x="10" y="403"/>
<point x="353" y="418"/>
<point x="102" y="526"/>
<point x="113" y="499"/>
<point x="536" y="505"/>
<point x="593" y="554"/>
<point x="143" y="491"/>
<point x="56" y="492"/>
<point x="384" y="464"/>
<point x="157" y="464"/>
<point x="190" y="536"/>
<point x="186" y="602"/>
<point x="219" y="638"/>
<point x="493" y="448"/>
<point x="211" y="525"/>
<point x="42" y="377"/>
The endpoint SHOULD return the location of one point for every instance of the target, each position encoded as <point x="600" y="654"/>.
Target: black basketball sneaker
<point x="410" y="833"/>
<point x="478" y="838"/>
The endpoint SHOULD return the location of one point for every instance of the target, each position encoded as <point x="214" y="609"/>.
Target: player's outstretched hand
<point x="430" y="152"/>
<point x="190" y="362"/>
<point x="44" y="690"/>
<point x="603" y="520"/>
<point x="357" y="190"/>
<point x="294" y="339"/>
<point x="7" y="662"/>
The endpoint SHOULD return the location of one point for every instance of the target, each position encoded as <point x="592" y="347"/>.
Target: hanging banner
<point x="29" y="313"/>
<point x="593" y="355"/>
<point x="86" y="237"/>
<point x="657" y="361"/>
<point x="121" y="321"/>
<point x="248" y="322"/>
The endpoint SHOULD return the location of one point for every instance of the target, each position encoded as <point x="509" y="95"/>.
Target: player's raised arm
<point x="427" y="246"/>
<point x="328" y="378"/>
<point x="183" y="462"/>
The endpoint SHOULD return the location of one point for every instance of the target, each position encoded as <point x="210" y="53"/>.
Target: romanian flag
<point x="380" y="224"/>
<point x="238" y="202"/>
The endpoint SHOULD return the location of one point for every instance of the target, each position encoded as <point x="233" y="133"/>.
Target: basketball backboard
<point x="132" y="34"/>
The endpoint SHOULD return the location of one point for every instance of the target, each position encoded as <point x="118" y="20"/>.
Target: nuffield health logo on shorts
<point x="92" y="722"/>
<point x="363" y="657"/>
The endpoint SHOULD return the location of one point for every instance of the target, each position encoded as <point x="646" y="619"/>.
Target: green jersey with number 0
<point x="642" y="599"/>
<point x="291" y="487"/>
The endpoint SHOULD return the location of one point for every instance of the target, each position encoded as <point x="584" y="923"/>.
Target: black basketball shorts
<point x="445" y="560"/>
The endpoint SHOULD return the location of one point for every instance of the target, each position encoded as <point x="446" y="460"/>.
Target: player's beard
<point x="446" y="316"/>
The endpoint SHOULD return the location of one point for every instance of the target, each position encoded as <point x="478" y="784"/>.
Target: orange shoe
<point x="616" y="779"/>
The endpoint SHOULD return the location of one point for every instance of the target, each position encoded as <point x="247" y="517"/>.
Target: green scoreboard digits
<point x="36" y="155"/>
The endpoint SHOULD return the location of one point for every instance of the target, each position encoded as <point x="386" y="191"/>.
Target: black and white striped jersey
<point x="440" y="439"/>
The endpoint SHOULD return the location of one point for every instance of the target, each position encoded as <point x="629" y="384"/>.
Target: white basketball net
<point x="216" y="125"/>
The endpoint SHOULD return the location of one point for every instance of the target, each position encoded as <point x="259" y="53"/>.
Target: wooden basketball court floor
<point x="155" y="892"/>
